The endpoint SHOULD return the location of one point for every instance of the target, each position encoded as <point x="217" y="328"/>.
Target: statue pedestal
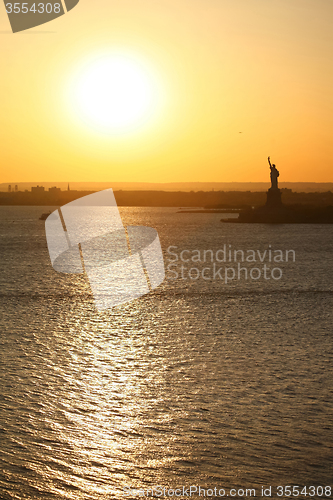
<point x="274" y="212"/>
<point x="274" y="199"/>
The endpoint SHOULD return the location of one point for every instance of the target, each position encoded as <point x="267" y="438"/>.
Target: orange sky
<point x="260" y="67"/>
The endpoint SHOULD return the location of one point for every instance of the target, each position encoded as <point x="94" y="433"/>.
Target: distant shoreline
<point x="305" y="187"/>
<point x="201" y="199"/>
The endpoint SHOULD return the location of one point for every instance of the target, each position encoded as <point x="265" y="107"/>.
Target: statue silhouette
<point x="274" y="174"/>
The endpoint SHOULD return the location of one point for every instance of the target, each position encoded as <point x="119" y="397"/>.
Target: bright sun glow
<point x="115" y="93"/>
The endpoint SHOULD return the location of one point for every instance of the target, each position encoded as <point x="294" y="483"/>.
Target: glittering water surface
<point x="198" y="383"/>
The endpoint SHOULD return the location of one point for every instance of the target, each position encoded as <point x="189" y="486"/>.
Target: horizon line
<point x="167" y="182"/>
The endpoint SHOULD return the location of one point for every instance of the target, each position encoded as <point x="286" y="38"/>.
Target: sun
<point x="115" y="93"/>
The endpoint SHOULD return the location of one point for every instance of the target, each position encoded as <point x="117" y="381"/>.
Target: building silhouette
<point x="38" y="189"/>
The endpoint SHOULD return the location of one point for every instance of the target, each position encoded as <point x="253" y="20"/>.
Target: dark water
<point x="198" y="383"/>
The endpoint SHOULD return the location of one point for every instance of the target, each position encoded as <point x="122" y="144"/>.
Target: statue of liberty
<point x="274" y="174"/>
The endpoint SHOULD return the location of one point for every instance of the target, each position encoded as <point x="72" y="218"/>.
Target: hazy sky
<point x="218" y="67"/>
